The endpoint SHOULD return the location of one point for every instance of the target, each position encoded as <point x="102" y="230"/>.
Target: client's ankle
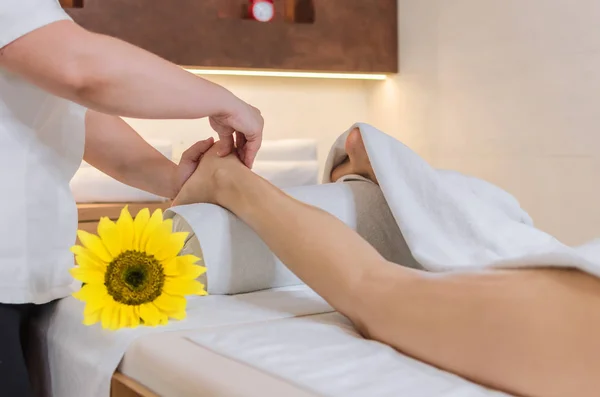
<point x="222" y="182"/>
<point x="228" y="180"/>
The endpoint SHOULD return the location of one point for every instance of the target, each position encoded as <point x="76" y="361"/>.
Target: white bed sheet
<point x="309" y="356"/>
<point x="73" y="360"/>
<point x="171" y="365"/>
<point x="324" y="354"/>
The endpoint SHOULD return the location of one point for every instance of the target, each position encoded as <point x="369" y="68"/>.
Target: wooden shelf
<point x="358" y="36"/>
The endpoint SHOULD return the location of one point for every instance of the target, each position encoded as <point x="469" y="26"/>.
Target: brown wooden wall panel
<point x="347" y="35"/>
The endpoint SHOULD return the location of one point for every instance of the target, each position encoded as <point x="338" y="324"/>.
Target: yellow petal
<point x="135" y="316"/>
<point x="85" y="258"/>
<point x="96" y="305"/>
<point x="87" y="275"/>
<point x="203" y="292"/>
<point x="139" y="225"/>
<point x="107" y="315"/>
<point x="158" y="237"/>
<point x="170" y="268"/>
<point x="184" y="267"/>
<point x="155" y="221"/>
<point x="189" y="259"/>
<point x="91" y="318"/>
<point x="150" y="314"/>
<point x="171" y="246"/>
<point x="125" y="320"/>
<point x="176" y="286"/>
<point x="181" y="315"/>
<point x="115" y="318"/>
<point x="94" y="244"/>
<point x="90" y="292"/>
<point x="170" y="303"/>
<point x="111" y="238"/>
<point x="164" y="319"/>
<point x="126" y="229"/>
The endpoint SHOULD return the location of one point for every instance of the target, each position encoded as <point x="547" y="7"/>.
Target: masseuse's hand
<point x="246" y="123"/>
<point x="189" y="162"/>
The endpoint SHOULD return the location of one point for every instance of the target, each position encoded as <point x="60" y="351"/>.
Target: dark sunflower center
<point x="134" y="278"/>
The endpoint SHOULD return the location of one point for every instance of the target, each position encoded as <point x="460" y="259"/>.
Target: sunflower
<point x="132" y="273"/>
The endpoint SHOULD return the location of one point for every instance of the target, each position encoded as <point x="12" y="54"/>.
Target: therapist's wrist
<point x="170" y="182"/>
<point x="224" y="102"/>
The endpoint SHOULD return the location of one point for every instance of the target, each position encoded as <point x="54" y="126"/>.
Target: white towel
<point x="456" y="222"/>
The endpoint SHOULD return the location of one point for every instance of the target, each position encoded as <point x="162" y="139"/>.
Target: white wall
<point x="292" y="108"/>
<point x="508" y="91"/>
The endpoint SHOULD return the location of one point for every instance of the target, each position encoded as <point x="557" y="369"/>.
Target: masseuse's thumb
<point x="225" y="132"/>
<point x="197" y="150"/>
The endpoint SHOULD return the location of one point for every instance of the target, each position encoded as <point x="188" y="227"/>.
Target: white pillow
<point x="238" y="261"/>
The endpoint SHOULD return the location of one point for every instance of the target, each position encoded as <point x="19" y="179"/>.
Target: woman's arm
<point x="114" y="77"/>
<point x="114" y="148"/>
<point x="111" y="76"/>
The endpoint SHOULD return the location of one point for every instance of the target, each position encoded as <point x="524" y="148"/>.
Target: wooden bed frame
<point x="124" y="386"/>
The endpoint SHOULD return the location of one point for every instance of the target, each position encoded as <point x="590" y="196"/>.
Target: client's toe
<point x="355" y="146"/>
<point x="342" y="170"/>
<point x="358" y="160"/>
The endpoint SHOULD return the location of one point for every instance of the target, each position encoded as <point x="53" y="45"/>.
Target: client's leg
<point x="530" y="332"/>
<point x="297" y="233"/>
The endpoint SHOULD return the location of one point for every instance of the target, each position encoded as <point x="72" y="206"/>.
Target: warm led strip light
<point x="309" y="75"/>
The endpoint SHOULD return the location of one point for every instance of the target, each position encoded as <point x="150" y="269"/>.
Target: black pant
<point x="14" y="378"/>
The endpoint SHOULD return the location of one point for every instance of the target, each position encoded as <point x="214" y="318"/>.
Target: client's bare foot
<point x="357" y="162"/>
<point x="207" y="181"/>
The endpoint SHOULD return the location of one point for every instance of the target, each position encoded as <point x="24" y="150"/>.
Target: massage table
<point x="263" y="333"/>
<point x="171" y="364"/>
<point x="303" y="347"/>
<point x="323" y="353"/>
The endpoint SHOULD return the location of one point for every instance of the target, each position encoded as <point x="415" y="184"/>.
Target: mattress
<point x="72" y="360"/>
<point x="173" y="366"/>
<point x="308" y="356"/>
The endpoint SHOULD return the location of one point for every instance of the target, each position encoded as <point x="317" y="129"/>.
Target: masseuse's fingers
<point x="250" y="150"/>
<point x="226" y="146"/>
<point x="245" y="119"/>
<point x="190" y="160"/>
<point x="253" y="139"/>
<point x="240" y="144"/>
<point x="195" y="152"/>
<point x="225" y="131"/>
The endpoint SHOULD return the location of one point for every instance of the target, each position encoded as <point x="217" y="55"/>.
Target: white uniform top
<point x="41" y="147"/>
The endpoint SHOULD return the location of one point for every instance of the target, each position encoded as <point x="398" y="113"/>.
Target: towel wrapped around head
<point x="238" y="261"/>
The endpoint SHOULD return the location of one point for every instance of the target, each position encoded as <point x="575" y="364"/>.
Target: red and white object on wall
<point x="262" y="10"/>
